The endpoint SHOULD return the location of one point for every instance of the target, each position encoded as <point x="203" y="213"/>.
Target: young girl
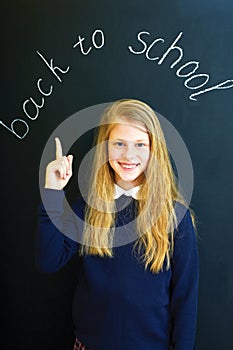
<point x="137" y="261"/>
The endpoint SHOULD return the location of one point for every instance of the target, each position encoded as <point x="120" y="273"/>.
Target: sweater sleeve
<point x="53" y="249"/>
<point x="184" y="286"/>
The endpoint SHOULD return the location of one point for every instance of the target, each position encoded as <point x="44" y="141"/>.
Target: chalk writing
<point x="146" y="49"/>
<point x="12" y="128"/>
<point x="81" y="39"/>
<point x="32" y="108"/>
<point x="197" y="81"/>
<point x="35" y="105"/>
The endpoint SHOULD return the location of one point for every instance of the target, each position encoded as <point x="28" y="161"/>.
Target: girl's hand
<point x="59" y="171"/>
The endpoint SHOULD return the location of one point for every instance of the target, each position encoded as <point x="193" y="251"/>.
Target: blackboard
<point x="176" y="56"/>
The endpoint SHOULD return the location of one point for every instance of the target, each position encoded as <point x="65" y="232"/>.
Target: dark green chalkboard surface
<point x="59" y="57"/>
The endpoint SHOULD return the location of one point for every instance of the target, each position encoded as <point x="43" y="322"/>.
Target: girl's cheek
<point x="145" y="154"/>
<point x="114" y="154"/>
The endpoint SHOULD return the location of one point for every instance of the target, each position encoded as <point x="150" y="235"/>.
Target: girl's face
<point x="129" y="152"/>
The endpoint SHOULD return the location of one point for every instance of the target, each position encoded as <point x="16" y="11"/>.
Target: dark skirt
<point x="79" y="346"/>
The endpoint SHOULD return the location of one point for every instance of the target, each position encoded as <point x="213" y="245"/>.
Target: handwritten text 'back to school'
<point x="189" y="71"/>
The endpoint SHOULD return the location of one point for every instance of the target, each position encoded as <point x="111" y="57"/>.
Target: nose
<point x="129" y="151"/>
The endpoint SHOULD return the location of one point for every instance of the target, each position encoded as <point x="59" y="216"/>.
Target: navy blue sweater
<point x="118" y="305"/>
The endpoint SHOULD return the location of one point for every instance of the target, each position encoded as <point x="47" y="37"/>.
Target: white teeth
<point x="129" y="166"/>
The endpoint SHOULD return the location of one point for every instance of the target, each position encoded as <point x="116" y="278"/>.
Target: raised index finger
<point x="58" y="148"/>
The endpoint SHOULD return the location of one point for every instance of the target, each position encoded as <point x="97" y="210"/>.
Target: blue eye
<point x="119" y="144"/>
<point x="140" y="144"/>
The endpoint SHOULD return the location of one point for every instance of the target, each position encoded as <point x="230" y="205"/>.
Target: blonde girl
<point x="137" y="261"/>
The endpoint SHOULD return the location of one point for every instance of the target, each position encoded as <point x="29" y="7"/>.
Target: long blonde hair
<point x="156" y="215"/>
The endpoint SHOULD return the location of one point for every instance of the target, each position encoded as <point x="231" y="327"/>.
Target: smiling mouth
<point x="129" y="166"/>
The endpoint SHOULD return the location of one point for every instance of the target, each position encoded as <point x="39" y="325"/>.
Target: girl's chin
<point x="121" y="179"/>
<point x="128" y="177"/>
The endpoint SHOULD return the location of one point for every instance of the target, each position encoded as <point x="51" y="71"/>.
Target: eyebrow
<point x="143" y="140"/>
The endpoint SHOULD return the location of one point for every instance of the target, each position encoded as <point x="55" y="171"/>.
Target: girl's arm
<point x="184" y="286"/>
<point x="53" y="248"/>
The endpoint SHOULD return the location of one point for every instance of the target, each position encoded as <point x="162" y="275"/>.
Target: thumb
<point x="70" y="160"/>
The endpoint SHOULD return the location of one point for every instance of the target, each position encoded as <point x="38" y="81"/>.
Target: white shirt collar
<point x="119" y="191"/>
